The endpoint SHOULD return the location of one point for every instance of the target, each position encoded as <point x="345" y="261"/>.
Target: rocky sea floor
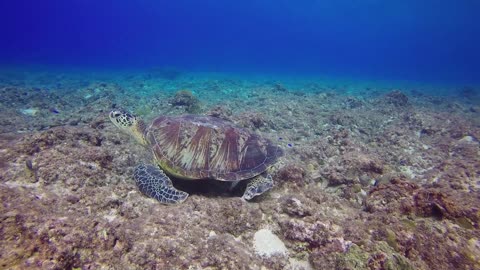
<point x="372" y="178"/>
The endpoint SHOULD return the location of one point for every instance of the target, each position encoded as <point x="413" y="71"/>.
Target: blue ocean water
<point x="430" y="40"/>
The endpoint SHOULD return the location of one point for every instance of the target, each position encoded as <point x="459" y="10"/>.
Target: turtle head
<point x="258" y="186"/>
<point x="129" y="123"/>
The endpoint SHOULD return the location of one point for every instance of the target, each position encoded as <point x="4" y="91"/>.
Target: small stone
<point x="467" y="139"/>
<point x="72" y="199"/>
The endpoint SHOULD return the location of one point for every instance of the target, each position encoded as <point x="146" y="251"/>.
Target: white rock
<point x="30" y="111"/>
<point x="295" y="264"/>
<point x="267" y="244"/>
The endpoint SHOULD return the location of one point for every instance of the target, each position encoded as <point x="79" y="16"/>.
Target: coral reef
<point x="371" y="178"/>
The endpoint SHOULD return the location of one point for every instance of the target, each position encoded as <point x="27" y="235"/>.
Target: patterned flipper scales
<point x="153" y="182"/>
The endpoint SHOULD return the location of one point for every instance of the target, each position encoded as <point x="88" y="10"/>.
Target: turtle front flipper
<point x="154" y="183"/>
<point x="258" y="186"/>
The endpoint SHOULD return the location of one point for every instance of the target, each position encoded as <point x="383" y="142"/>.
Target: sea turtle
<point x="195" y="147"/>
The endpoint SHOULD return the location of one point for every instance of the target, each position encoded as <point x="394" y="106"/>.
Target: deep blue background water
<point x="432" y="40"/>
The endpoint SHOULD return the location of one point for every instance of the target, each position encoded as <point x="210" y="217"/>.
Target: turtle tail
<point x="154" y="183"/>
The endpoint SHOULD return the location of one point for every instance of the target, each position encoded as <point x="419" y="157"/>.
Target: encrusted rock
<point x="292" y="173"/>
<point x="294" y="207"/>
<point x="186" y="99"/>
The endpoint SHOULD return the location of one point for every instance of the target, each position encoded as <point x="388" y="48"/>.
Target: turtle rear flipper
<point x="258" y="186"/>
<point x="154" y="183"/>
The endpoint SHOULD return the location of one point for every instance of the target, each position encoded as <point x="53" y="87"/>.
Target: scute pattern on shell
<point x="201" y="147"/>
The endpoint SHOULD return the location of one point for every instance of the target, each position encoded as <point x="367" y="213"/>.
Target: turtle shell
<point x="205" y="147"/>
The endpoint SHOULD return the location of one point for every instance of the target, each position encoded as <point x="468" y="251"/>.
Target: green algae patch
<point x="465" y="223"/>
<point x="410" y="224"/>
<point x="143" y="110"/>
<point x="355" y="258"/>
<point x="357" y="188"/>
<point x="388" y="259"/>
<point x="472" y="252"/>
<point x="383" y="257"/>
<point x="391" y="239"/>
